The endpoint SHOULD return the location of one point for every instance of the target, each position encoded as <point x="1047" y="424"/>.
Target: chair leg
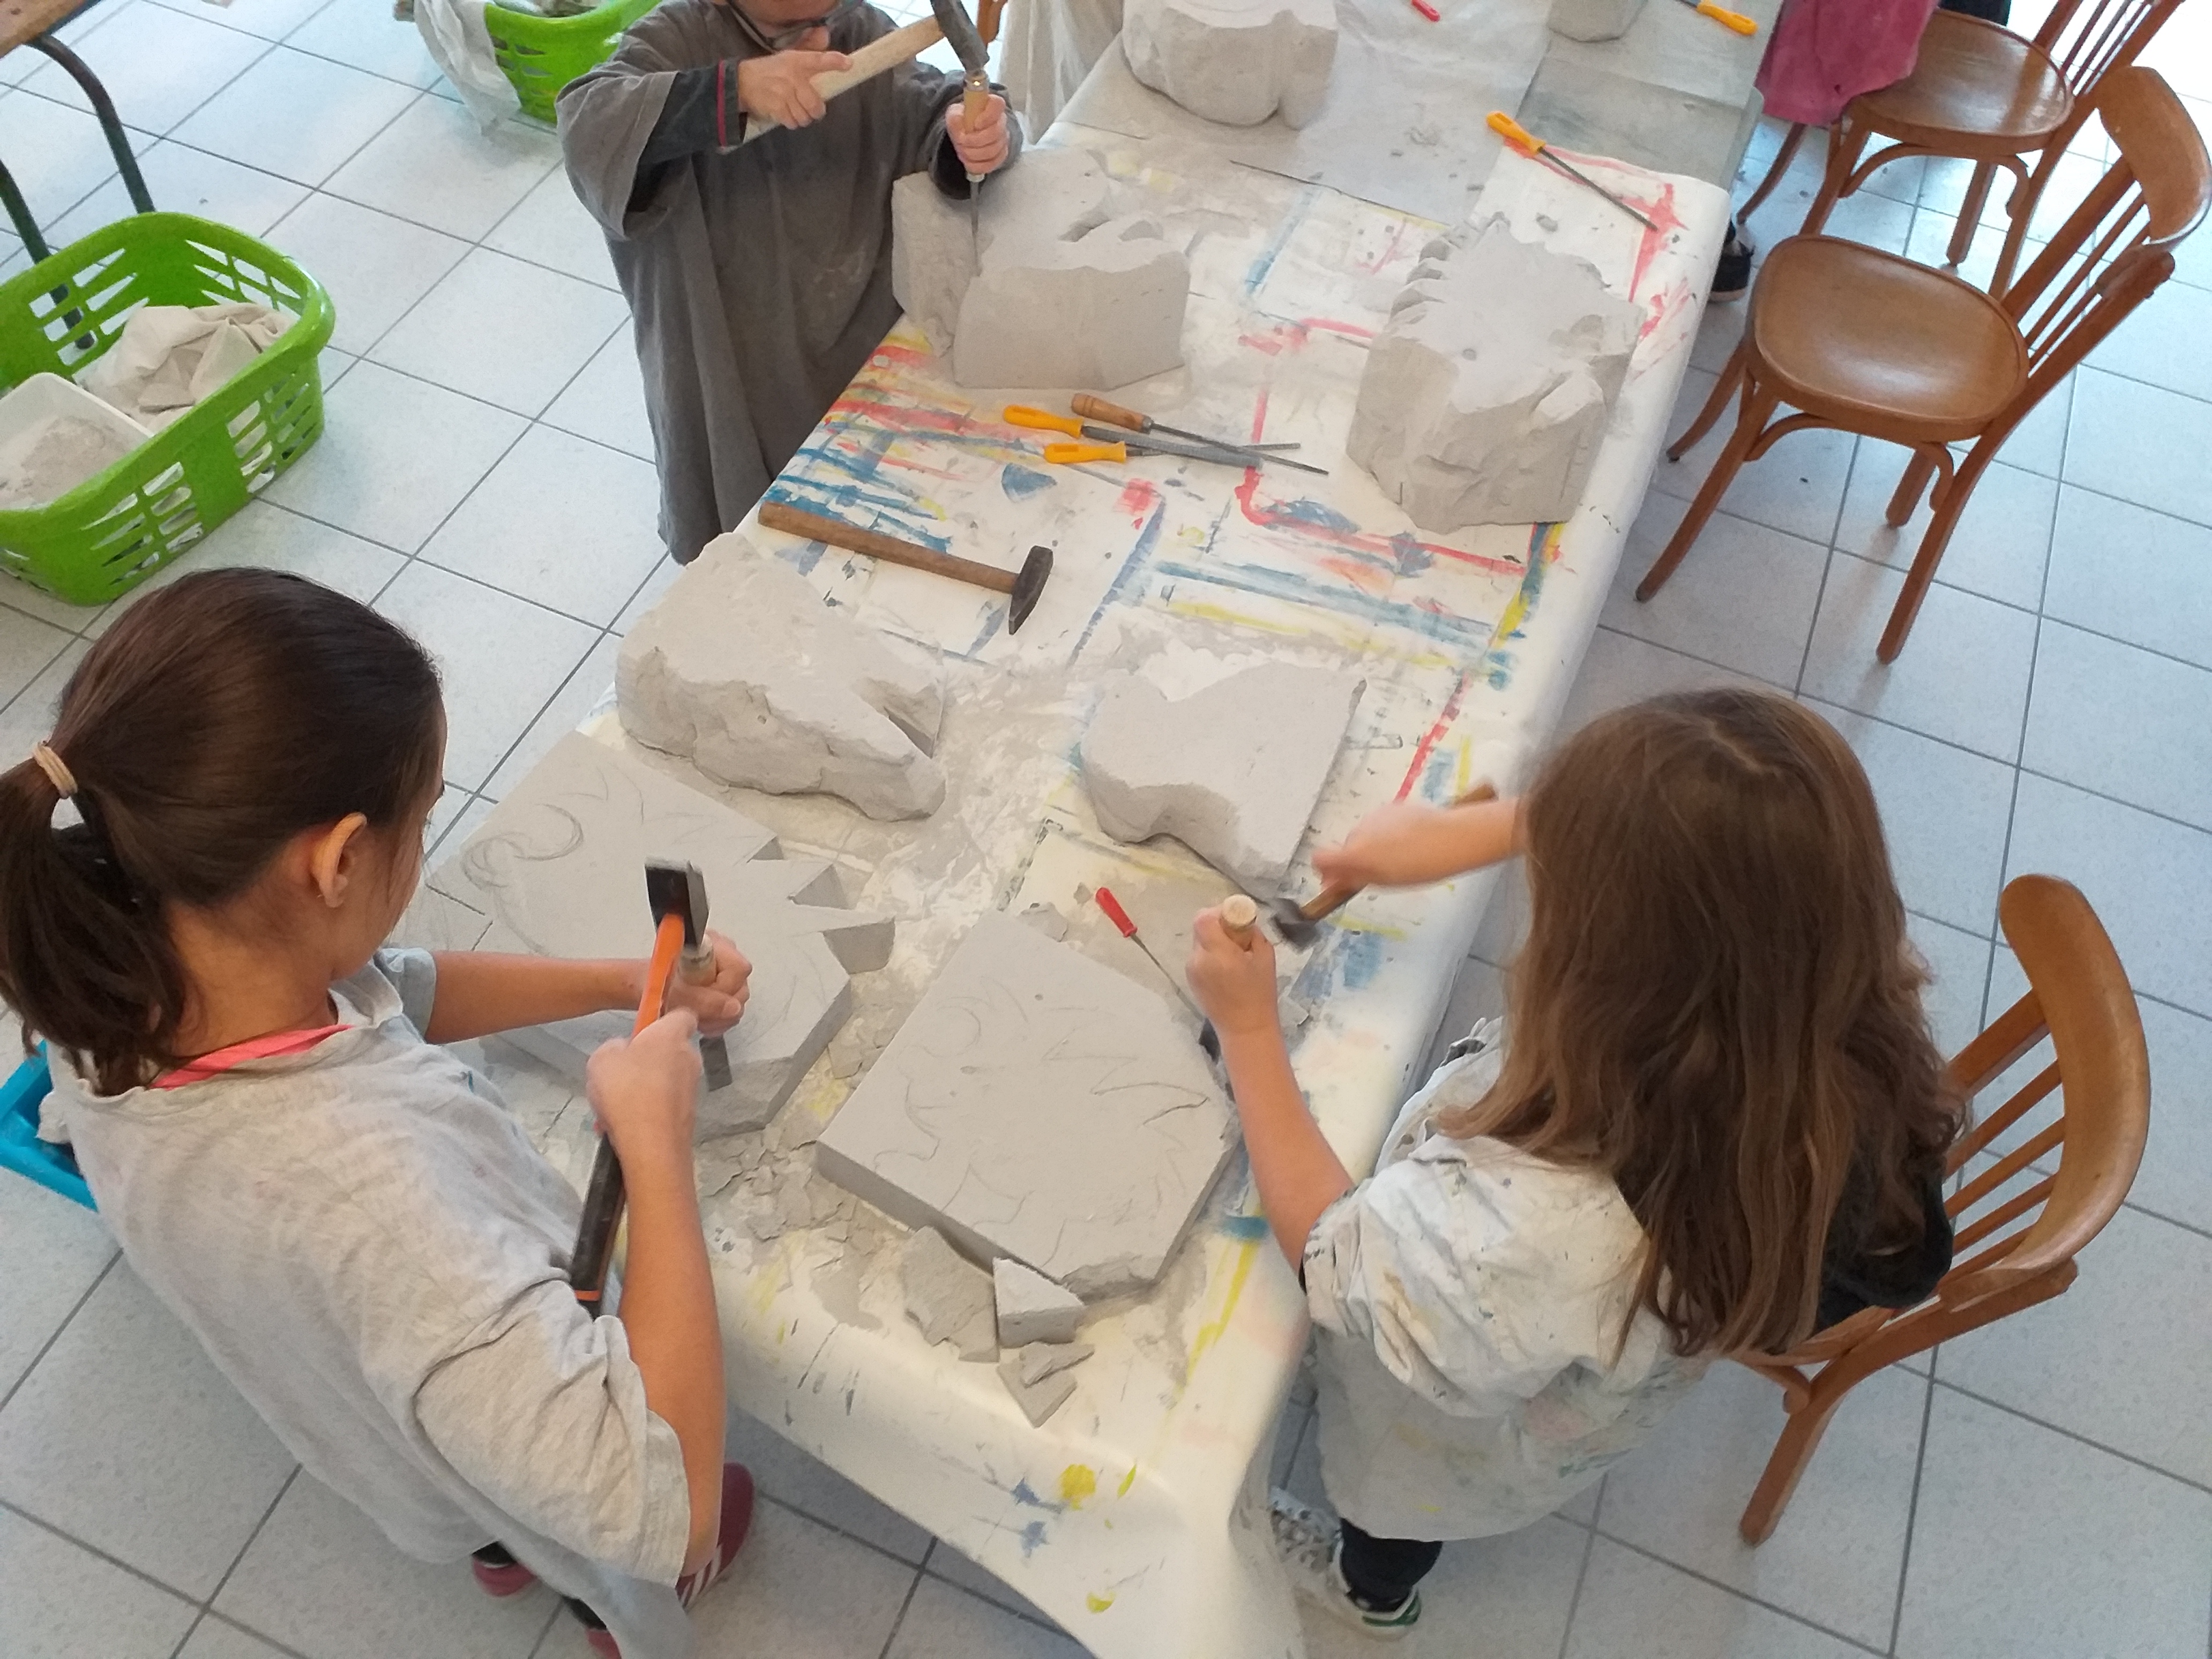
<point x="1801" y="1439"/>
<point x="1847" y="142"/>
<point x="1910" y="489"/>
<point x="1950" y="503"/>
<point x="1970" y="213"/>
<point x="1758" y="404"/>
<point x="1723" y="388"/>
<point x="2024" y="200"/>
<point x="1776" y="168"/>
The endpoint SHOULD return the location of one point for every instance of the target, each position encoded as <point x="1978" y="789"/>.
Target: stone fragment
<point x="1064" y="293"/>
<point x="742" y="669"/>
<point x="558" y="870"/>
<point x="1485" y="396"/>
<point x="1046" y="919"/>
<point x="948" y="1295"/>
<point x="1233" y="771"/>
<point x="1039" y="1105"/>
<point x="1041" y="1359"/>
<point x="1593" y="19"/>
<point x="1236" y="62"/>
<point x="1038" y="1400"/>
<point x="1031" y="1308"/>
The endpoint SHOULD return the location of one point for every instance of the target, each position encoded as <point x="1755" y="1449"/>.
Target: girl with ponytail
<point x="198" y="870"/>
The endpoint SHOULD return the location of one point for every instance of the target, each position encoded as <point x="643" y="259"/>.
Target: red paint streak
<point x="1389" y="252"/>
<point x="1430" y="739"/>
<point x="1292" y="336"/>
<point x="1428" y="11"/>
<point x="1664" y="221"/>
<point x="1138" y="498"/>
<point x="1368" y="578"/>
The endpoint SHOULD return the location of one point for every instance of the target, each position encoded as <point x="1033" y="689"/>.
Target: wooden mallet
<point x="1021" y="587"/>
<point x="1299" y="924"/>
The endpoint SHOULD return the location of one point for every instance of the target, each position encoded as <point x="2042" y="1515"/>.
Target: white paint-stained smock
<point x="370" y="1248"/>
<point x="1470" y="1300"/>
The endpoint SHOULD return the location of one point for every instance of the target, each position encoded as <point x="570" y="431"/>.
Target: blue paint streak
<point x="1246" y="1227"/>
<point x="1026" y="1495"/>
<point x="1285" y="585"/>
<point x="1265" y="262"/>
<point x="1358" y="958"/>
<point x="882" y="513"/>
<point x="1032" y="1536"/>
<point x="1020" y="482"/>
<point x="1147" y="538"/>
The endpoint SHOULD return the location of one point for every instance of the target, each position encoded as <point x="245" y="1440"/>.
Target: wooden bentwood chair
<point x="1867" y="341"/>
<point x="2078" y="995"/>
<point x="1981" y="93"/>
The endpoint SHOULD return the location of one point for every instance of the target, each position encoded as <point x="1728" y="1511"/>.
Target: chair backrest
<point x="2078" y="996"/>
<point x="2118" y="247"/>
<point x="2087" y="38"/>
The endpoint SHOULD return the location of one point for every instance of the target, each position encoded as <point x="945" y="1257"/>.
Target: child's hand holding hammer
<point x="1232" y="969"/>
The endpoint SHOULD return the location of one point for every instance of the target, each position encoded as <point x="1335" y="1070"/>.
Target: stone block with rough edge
<point x="558" y="870"/>
<point x="1236" y="62"/>
<point x="743" y="670"/>
<point x="1040" y="1399"/>
<point x="1031" y="1308"/>
<point x="1593" y="19"/>
<point x="1037" y="1104"/>
<point x="1232" y="771"/>
<point x="1053" y="194"/>
<point x="1060" y="291"/>
<point x="948" y="1295"/>
<point x="1039" y="1360"/>
<point x="1485" y="396"/>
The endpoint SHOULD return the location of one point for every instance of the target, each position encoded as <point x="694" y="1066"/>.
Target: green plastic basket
<point x="119" y="527"/>
<point x="541" y="55"/>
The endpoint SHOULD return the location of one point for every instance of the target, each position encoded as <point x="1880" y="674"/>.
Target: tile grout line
<point x="1741" y="1595"/>
<point x="1582" y="1572"/>
<point x="75" y="1308"/>
<point x="117" y="1561"/>
<point x="2077" y="1436"/>
<point x="890" y="1636"/>
<point x="1912" y="1503"/>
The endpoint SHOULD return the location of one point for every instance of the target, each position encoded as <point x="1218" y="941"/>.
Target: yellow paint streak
<point x="1353" y="924"/>
<point x="1076" y="1482"/>
<point x="1222" y="613"/>
<point x="1097" y="1603"/>
<point x="1127" y="1482"/>
<point x="1210" y="1333"/>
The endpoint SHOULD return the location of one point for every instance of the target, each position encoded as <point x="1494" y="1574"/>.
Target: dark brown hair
<point x="1718" y="1007"/>
<point x="218" y="719"/>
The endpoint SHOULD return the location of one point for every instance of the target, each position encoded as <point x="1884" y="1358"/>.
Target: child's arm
<point x="1296" y="1171"/>
<point x="644" y="1091"/>
<point x="1409" y="843"/>
<point x="480" y="992"/>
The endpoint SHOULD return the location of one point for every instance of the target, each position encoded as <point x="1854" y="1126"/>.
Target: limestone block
<point x="1031" y="1308"/>
<point x="946" y="1295"/>
<point x="1233" y="772"/>
<point x="1236" y="62"/>
<point x="558" y="870"/>
<point x="1039" y="1105"/>
<point x="1101" y="310"/>
<point x="1593" y="19"/>
<point x="1041" y="1359"/>
<point x="1038" y="1400"/>
<point x="1056" y="194"/>
<point x="1064" y="293"/>
<point x="1486" y="395"/>
<point x="742" y="669"/>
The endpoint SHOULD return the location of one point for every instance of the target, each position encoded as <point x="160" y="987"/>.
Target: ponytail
<point x="221" y="717"/>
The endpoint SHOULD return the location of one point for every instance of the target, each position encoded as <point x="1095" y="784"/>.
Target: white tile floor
<point x="2044" y="1489"/>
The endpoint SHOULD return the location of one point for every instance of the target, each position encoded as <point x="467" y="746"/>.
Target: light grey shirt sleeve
<point x="547" y="1418"/>
<point x="413" y="974"/>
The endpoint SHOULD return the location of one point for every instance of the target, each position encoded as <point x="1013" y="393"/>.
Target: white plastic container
<point x="54" y="434"/>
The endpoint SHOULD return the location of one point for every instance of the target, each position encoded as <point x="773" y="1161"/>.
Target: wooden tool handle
<point x="1092" y="407"/>
<point x="1330" y="899"/>
<point x="603" y="1199"/>
<point x="815" y="528"/>
<point x="887" y="52"/>
<point x="1239" y="916"/>
<point x="987" y="18"/>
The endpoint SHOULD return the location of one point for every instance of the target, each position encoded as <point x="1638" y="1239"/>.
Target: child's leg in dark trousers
<point x="1382" y="1571"/>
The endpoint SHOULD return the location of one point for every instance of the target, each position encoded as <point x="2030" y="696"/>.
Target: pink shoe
<point x="501" y="1575"/>
<point x="737" y="1521"/>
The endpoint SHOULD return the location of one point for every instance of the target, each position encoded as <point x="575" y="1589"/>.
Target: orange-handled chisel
<point x="1723" y="17"/>
<point x="1041" y="420"/>
<point x="603" y="1199"/>
<point x="1127" y="928"/>
<point x="1079" y="454"/>
<point x="1533" y="147"/>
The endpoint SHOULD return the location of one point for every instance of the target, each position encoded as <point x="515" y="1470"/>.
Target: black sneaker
<point x="1732" y="277"/>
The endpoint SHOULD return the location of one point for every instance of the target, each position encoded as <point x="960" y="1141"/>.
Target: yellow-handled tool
<point x="1077" y="454"/>
<point x="1723" y="17"/>
<point x="1044" y="419"/>
<point x="1529" y="145"/>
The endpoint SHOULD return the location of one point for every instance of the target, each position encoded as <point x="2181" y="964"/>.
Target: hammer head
<point x="1029" y="584"/>
<point x="1290" y="922"/>
<point x="677" y="890"/>
<point x="961" y="35"/>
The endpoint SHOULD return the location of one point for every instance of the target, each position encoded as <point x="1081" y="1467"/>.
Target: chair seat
<point x="1887" y="347"/>
<point x="25" y="20"/>
<point x="1975" y="85"/>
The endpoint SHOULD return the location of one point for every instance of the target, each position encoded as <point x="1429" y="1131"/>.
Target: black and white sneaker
<point x="1310" y="1544"/>
<point x="1732" y="277"/>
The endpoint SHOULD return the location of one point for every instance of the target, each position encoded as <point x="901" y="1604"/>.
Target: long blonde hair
<point x="1718" y="1007"/>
